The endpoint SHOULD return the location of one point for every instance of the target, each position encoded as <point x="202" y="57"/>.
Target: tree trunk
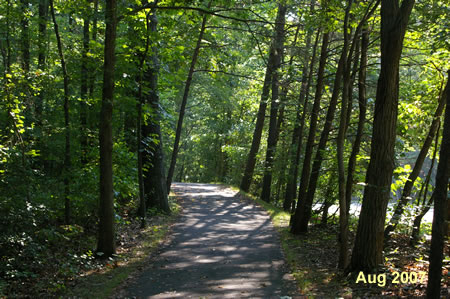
<point x="106" y="242"/>
<point x="272" y="138"/>
<point x="304" y="180"/>
<point x="25" y="36"/>
<point x="84" y="91"/>
<point x="256" y="140"/>
<point x="187" y="86"/>
<point x="424" y="190"/>
<point x="297" y="135"/>
<point x="67" y="161"/>
<point x="417" y="167"/>
<point x="343" y="221"/>
<point x="304" y="207"/>
<point x="362" y="102"/>
<point x="439" y="229"/>
<point x="139" y="144"/>
<point x="154" y="175"/>
<point x="367" y="252"/>
<point x="328" y="200"/>
<point x="92" y="70"/>
<point x="418" y="221"/>
<point x="43" y="13"/>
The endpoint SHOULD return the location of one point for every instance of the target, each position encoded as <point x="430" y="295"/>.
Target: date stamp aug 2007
<point x="397" y="277"/>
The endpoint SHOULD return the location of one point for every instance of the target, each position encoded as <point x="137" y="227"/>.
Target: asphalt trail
<point x="221" y="247"/>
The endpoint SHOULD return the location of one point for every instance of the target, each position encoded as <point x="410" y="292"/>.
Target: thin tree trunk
<point x="92" y="69"/>
<point x="304" y="180"/>
<point x="328" y="201"/>
<point x="439" y="228"/>
<point x="106" y="239"/>
<point x="362" y="102"/>
<point x="155" y="184"/>
<point x="43" y="13"/>
<point x="407" y="189"/>
<point x="139" y="148"/>
<point x="343" y="221"/>
<point x="187" y="86"/>
<point x="297" y="135"/>
<point x="67" y="160"/>
<point x="305" y="206"/>
<point x="272" y="138"/>
<point x="418" y="219"/>
<point x="25" y="36"/>
<point x="367" y="252"/>
<point x="256" y="140"/>
<point x="84" y="91"/>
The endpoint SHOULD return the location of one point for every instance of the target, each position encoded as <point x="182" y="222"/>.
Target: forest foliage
<point x="303" y="73"/>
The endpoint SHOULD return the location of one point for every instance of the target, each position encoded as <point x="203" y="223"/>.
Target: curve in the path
<point x="221" y="247"/>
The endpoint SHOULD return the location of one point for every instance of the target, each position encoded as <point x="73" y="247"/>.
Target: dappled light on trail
<point x="221" y="247"/>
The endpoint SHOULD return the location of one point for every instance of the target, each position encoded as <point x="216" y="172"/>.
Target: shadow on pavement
<point x="221" y="247"/>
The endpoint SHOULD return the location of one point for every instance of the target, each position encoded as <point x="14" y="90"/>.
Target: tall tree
<point x="343" y="221"/>
<point x="362" y="104"/>
<point x="367" y="252"/>
<point x="274" y="103"/>
<point x="297" y="134"/>
<point x="155" y="179"/>
<point x="84" y="89"/>
<point x="43" y="15"/>
<point x="343" y="70"/>
<point x="67" y="160"/>
<point x="25" y="35"/>
<point x="187" y="86"/>
<point x="106" y="238"/>
<point x="439" y="229"/>
<point x="306" y="170"/>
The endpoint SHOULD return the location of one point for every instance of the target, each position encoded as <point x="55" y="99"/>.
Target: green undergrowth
<point x="136" y="246"/>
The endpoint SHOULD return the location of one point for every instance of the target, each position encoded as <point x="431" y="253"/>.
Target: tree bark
<point x="362" y="103"/>
<point x="154" y="175"/>
<point x="139" y="144"/>
<point x="92" y="70"/>
<point x="407" y="189"/>
<point x="343" y="221"/>
<point x="439" y="228"/>
<point x="256" y="140"/>
<point x="297" y="134"/>
<point x="25" y="36"/>
<point x="305" y="207"/>
<point x="187" y="86"/>
<point x="272" y="138"/>
<point x="367" y="252"/>
<point x="106" y="239"/>
<point x="67" y="160"/>
<point x="84" y="91"/>
<point x="306" y="170"/>
<point x="43" y="14"/>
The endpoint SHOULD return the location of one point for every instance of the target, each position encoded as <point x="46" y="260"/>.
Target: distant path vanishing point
<point x="221" y="247"/>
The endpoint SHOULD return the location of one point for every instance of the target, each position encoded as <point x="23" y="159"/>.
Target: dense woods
<point x="316" y="107"/>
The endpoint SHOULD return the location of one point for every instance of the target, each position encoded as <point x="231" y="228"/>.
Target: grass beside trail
<point x="136" y="246"/>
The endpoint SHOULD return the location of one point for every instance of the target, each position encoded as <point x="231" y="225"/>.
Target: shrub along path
<point x="221" y="246"/>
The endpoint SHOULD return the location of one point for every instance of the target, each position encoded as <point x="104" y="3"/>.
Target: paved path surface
<point x="221" y="247"/>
